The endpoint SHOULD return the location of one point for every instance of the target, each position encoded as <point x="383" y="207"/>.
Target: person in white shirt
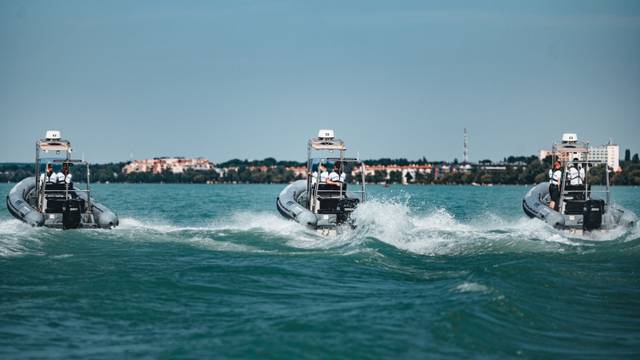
<point x="313" y="174"/>
<point x="64" y="176"/>
<point x="574" y="175"/>
<point x="49" y="176"/>
<point x="555" y="176"/>
<point x="577" y="177"/>
<point x="337" y="176"/>
<point x="324" y="174"/>
<point x="343" y="176"/>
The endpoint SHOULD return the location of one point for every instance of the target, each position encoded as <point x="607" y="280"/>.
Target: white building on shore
<point x="176" y="165"/>
<point x="609" y="153"/>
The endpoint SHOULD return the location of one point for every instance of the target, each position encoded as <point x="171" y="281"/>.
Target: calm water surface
<point x="197" y="271"/>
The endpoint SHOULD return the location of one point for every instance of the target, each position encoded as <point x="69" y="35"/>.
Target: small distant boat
<point x="580" y="208"/>
<point x="318" y="205"/>
<point x="42" y="201"/>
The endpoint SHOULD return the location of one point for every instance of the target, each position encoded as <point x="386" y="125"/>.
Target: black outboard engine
<point x="592" y="215"/>
<point x="71" y="214"/>
<point x="345" y="207"/>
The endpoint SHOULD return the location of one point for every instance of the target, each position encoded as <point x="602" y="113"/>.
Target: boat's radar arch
<point x="326" y="141"/>
<point x="54" y="144"/>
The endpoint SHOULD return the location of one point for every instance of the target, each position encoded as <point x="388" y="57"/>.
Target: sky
<point x="256" y="79"/>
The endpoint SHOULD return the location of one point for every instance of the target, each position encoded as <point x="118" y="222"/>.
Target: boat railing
<point x="587" y="191"/>
<point x="66" y="190"/>
<point x="580" y="196"/>
<point x="69" y="193"/>
<point x="338" y="192"/>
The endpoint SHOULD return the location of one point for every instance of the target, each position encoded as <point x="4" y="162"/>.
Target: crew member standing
<point x="582" y="173"/>
<point x="574" y="175"/>
<point x="555" y="176"/>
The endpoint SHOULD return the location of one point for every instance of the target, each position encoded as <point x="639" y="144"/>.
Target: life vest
<point x="62" y="178"/>
<point x="574" y="176"/>
<point x="49" y="178"/>
<point x="555" y="177"/>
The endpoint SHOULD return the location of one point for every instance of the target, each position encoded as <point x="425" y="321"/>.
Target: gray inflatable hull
<point x="534" y="205"/>
<point x="20" y="208"/>
<point x="289" y="207"/>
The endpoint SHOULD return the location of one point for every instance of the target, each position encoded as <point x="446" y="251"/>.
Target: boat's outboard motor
<point x="592" y="215"/>
<point x="71" y="214"/>
<point x="345" y="207"/>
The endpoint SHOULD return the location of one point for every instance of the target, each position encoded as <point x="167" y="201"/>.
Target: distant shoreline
<point x="514" y="170"/>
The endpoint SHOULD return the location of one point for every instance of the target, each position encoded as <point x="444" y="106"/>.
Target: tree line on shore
<point x="515" y="170"/>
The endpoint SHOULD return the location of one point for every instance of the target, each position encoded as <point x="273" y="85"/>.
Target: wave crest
<point x="390" y="222"/>
<point x="439" y="232"/>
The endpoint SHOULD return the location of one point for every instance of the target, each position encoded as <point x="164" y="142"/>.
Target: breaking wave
<point x="379" y="223"/>
<point x="392" y="223"/>
<point x="17" y="238"/>
<point x="440" y="233"/>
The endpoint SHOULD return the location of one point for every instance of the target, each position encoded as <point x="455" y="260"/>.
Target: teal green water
<point x="197" y="271"/>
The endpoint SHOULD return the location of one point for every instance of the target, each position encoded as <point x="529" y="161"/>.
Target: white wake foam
<point x="148" y="225"/>
<point x="15" y="237"/>
<point x="437" y="232"/>
<point x="467" y="287"/>
<point x="634" y="233"/>
<point x="266" y="226"/>
<point x="294" y="234"/>
<point x="393" y="222"/>
<point x="440" y="233"/>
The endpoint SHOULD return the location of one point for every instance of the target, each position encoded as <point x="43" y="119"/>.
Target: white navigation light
<point x="326" y="134"/>
<point x="569" y="137"/>
<point x="53" y="135"/>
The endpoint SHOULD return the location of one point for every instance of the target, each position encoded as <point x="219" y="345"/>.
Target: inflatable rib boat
<point x="77" y="211"/>
<point x="52" y="200"/>
<point x="332" y="212"/>
<point x="322" y="202"/>
<point x="578" y="215"/>
<point x="575" y="206"/>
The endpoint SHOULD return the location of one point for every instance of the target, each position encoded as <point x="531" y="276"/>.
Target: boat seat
<point x="574" y="207"/>
<point x="55" y="186"/>
<point x="576" y="192"/>
<point x="57" y="191"/>
<point x="328" y="206"/>
<point x="326" y="191"/>
<point x="56" y="205"/>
